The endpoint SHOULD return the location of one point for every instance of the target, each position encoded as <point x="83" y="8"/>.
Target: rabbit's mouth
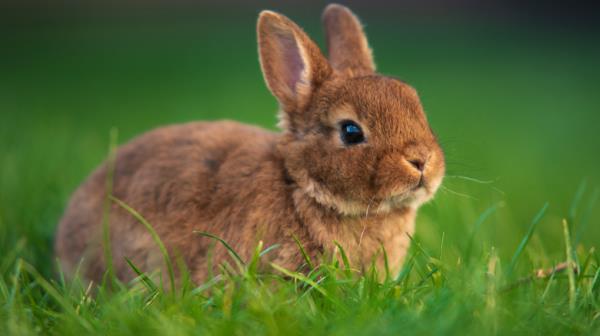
<point x="413" y="196"/>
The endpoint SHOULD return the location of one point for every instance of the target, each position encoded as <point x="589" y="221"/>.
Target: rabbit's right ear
<point x="347" y="44"/>
<point x="292" y="64"/>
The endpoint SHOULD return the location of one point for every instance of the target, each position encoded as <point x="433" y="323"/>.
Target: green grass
<point x="516" y="109"/>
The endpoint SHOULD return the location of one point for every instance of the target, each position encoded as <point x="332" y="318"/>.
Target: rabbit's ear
<point x="292" y="64"/>
<point x="347" y="44"/>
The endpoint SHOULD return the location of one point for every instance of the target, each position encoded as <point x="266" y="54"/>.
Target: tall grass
<point x="430" y="295"/>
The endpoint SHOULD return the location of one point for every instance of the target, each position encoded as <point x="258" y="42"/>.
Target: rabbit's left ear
<point x="292" y="64"/>
<point x="347" y="44"/>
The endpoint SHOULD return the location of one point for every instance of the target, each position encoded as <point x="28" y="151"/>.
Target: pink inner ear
<point x="293" y="64"/>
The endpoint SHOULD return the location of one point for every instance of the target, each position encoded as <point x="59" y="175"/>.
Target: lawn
<point x="516" y="108"/>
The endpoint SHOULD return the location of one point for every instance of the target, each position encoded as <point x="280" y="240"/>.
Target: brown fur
<point x="245" y="184"/>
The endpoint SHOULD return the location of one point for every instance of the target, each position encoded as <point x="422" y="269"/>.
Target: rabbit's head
<point x="353" y="140"/>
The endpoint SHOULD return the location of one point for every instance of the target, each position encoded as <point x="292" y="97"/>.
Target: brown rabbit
<point x="355" y="160"/>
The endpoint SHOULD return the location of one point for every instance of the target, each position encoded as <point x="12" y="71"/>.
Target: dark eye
<point x="351" y="133"/>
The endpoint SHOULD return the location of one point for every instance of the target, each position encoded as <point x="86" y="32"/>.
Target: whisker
<point x="472" y="179"/>
<point x="368" y="207"/>
<point x="378" y="209"/>
<point x="458" y="193"/>
<point x="362" y="233"/>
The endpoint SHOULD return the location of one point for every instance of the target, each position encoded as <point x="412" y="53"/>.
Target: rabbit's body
<point x="183" y="178"/>
<point x="355" y="160"/>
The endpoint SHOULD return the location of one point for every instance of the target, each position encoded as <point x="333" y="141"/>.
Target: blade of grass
<point x="407" y="268"/>
<point x="252" y="268"/>
<point x="596" y="282"/>
<point x="442" y="246"/>
<point x="4" y="294"/>
<point x="303" y="252"/>
<point x="586" y="263"/>
<point x="428" y="276"/>
<point x="576" y="200"/>
<point x="11" y="256"/>
<point x="145" y="279"/>
<point x="185" y="278"/>
<point x="60" y="272"/>
<point x="584" y="219"/>
<point x="227" y="270"/>
<point x="570" y="273"/>
<point x="310" y="289"/>
<point x="269" y="249"/>
<point x="573" y="211"/>
<point x="207" y="285"/>
<point x="225" y="244"/>
<point x="418" y="246"/>
<point x="302" y="278"/>
<point x="210" y="256"/>
<point x="153" y="296"/>
<point x="345" y="259"/>
<point x="526" y="239"/>
<point x="373" y="271"/>
<point x="548" y="285"/>
<point x="492" y="267"/>
<point x="386" y="264"/>
<point x="155" y="237"/>
<point x="85" y="297"/>
<point x="108" y="189"/>
<point x="480" y="220"/>
<point x="52" y="292"/>
<point x="16" y="284"/>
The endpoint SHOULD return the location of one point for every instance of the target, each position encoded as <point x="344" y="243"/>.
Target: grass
<point x="431" y="295"/>
<point x="507" y="246"/>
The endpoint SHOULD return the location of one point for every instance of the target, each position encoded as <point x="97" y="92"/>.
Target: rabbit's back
<point x="220" y="177"/>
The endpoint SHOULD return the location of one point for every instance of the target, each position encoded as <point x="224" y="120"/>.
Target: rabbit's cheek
<point x="435" y="173"/>
<point x="434" y="184"/>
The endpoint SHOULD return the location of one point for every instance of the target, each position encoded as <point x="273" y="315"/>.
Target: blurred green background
<point x="512" y="91"/>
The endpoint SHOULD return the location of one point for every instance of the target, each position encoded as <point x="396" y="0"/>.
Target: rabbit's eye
<point x="351" y="133"/>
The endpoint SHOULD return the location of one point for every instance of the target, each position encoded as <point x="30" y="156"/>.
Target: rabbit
<point x="354" y="161"/>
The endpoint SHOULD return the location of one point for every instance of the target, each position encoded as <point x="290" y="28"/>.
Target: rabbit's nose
<point x="419" y="164"/>
<point x="417" y="157"/>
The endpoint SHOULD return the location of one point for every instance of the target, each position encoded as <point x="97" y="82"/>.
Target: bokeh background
<point x="512" y="89"/>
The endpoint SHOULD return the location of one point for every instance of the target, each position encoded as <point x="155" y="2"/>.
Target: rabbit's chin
<point x="412" y="198"/>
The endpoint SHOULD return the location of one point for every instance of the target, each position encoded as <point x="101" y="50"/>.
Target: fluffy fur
<point x="245" y="184"/>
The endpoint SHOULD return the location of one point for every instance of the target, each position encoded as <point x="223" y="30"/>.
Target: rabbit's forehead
<point x="383" y="105"/>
